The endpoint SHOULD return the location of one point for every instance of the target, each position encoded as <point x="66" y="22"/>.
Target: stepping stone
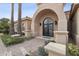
<point x="3" y="49"/>
<point x="8" y="53"/>
<point x="24" y="52"/>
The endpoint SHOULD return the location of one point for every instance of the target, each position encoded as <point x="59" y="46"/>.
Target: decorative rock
<point x="8" y="53"/>
<point x="55" y="49"/>
<point x="15" y="35"/>
<point x="1" y="34"/>
<point x="24" y="52"/>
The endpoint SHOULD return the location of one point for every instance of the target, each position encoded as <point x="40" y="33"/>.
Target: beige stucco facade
<point x="65" y="25"/>
<point x="56" y="12"/>
<point x="55" y="49"/>
<point x="25" y="26"/>
<point x="75" y="23"/>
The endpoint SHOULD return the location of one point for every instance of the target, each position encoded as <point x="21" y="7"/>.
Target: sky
<point x="28" y="9"/>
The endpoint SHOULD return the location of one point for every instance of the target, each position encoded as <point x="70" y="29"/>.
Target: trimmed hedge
<point x="42" y="52"/>
<point x="8" y="40"/>
<point x="73" y="50"/>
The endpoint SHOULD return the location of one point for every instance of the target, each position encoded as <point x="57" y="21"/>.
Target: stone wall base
<point x="55" y="49"/>
<point x="28" y="34"/>
<point x="61" y="37"/>
<point x="77" y="40"/>
<point x="54" y="54"/>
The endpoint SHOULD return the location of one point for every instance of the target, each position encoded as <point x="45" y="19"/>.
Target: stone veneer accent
<point x="54" y="11"/>
<point x="55" y="49"/>
<point x="61" y="36"/>
<point x="28" y="29"/>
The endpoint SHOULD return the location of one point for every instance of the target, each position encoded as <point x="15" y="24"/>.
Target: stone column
<point x="55" y="49"/>
<point x="76" y="18"/>
<point x="28" y="29"/>
<point x="61" y="36"/>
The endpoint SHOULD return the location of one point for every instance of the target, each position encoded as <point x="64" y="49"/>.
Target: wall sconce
<point x="40" y="24"/>
<point x="55" y="22"/>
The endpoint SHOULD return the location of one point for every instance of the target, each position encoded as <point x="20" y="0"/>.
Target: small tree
<point x="4" y="25"/>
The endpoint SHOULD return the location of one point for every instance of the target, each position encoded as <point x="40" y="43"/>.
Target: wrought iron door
<point x="48" y="27"/>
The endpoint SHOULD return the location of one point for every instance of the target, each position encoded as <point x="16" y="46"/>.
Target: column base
<point x="77" y="40"/>
<point x="28" y="34"/>
<point x="55" y="49"/>
<point x="61" y="37"/>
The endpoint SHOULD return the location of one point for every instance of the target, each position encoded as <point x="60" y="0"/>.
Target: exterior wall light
<point x="40" y="24"/>
<point x="55" y="22"/>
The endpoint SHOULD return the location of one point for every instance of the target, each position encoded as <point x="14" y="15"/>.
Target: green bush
<point x="4" y="25"/>
<point x="73" y="50"/>
<point x="8" y="40"/>
<point x="42" y="52"/>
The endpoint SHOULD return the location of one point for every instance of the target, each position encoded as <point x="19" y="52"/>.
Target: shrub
<point x="8" y="40"/>
<point x="73" y="50"/>
<point x="42" y="52"/>
<point x="4" y="26"/>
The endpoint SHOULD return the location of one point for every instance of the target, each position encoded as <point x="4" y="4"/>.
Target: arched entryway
<point x="56" y="13"/>
<point x="45" y="16"/>
<point x="48" y="27"/>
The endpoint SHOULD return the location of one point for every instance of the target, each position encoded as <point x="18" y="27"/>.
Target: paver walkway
<point x="22" y="48"/>
<point x="3" y="49"/>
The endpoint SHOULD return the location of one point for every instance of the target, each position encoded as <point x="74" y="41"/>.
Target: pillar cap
<point x="61" y="32"/>
<point x="56" y="47"/>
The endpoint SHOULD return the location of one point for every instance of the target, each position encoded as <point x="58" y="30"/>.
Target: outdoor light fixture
<point x="40" y="24"/>
<point x="55" y="22"/>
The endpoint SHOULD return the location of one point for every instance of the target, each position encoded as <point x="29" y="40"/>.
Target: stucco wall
<point x="75" y="26"/>
<point x="40" y="19"/>
<point x="54" y="10"/>
<point x="28" y="25"/>
<point x="78" y="21"/>
<point x="28" y="29"/>
<point x="58" y="9"/>
<point x="75" y="23"/>
<point x="25" y="23"/>
<point x="16" y="26"/>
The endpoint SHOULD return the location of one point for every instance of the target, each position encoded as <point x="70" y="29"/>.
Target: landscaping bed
<point x="73" y="50"/>
<point x="42" y="52"/>
<point x="8" y="40"/>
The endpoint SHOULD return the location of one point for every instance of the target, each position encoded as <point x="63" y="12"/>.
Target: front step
<point x="46" y="38"/>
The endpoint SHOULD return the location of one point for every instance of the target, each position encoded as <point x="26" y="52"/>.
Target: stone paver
<point x="3" y="49"/>
<point x="21" y="49"/>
